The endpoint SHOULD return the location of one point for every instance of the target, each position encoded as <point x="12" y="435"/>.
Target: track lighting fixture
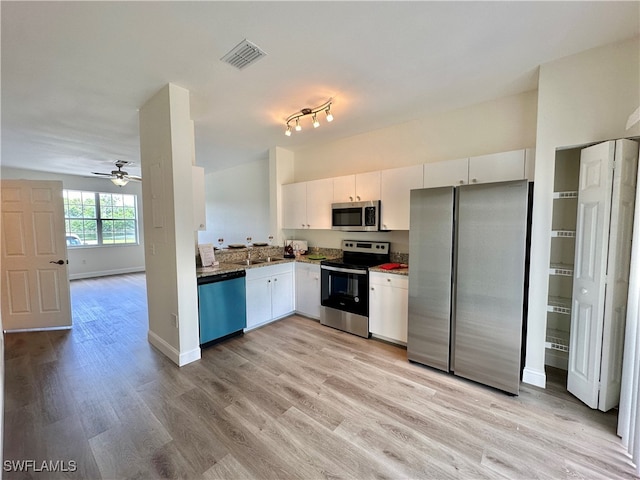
<point x="326" y="107"/>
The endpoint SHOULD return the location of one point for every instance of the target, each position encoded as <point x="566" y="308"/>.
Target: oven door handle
<point x="344" y="270"/>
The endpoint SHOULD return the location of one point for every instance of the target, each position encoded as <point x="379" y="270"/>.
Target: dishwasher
<point x="222" y="308"/>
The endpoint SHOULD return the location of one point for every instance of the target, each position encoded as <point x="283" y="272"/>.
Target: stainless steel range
<point x="345" y="285"/>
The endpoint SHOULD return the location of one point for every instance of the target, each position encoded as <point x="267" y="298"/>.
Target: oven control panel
<point x="365" y="246"/>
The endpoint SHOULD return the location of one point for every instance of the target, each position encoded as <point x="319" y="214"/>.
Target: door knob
<point x="59" y="262"/>
<point x="584" y="291"/>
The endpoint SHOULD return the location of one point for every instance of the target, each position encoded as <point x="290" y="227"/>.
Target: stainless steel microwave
<point x="356" y="216"/>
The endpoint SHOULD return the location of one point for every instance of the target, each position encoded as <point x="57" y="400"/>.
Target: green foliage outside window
<point x="94" y="218"/>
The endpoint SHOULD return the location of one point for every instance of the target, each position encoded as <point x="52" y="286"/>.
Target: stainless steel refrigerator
<point x="468" y="250"/>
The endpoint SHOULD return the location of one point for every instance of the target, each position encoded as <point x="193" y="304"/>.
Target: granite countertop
<point x="228" y="259"/>
<point x="395" y="271"/>
<point x="233" y="267"/>
<point x="226" y="267"/>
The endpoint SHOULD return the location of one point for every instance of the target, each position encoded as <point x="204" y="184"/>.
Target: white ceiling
<point x="74" y="73"/>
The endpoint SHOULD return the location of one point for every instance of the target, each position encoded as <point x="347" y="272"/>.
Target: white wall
<point x="582" y="99"/>
<point x="497" y="126"/>
<point x="94" y="261"/>
<point x="500" y="125"/>
<point x="237" y="203"/>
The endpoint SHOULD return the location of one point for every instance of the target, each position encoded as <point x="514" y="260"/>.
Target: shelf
<point x="557" y="340"/>
<point x="563" y="195"/>
<point x="559" y="305"/>
<point x="563" y="269"/>
<point x="563" y="233"/>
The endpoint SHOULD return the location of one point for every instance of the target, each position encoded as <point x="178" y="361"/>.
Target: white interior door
<point x="592" y="233"/>
<point x="35" y="278"/>
<point x="603" y="233"/>
<point x="618" y="269"/>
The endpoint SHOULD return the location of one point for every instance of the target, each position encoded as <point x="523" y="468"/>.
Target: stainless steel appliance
<point x="467" y="282"/>
<point x="344" y="285"/>
<point x="356" y="216"/>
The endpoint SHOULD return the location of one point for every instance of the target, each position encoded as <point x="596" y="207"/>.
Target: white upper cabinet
<point x="356" y="188"/>
<point x="294" y="205"/>
<point x="319" y="198"/>
<point x="446" y="173"/>
<point x="396" y="185"/>
<point x="495" y="167"/>
<point x="307" y="204"/>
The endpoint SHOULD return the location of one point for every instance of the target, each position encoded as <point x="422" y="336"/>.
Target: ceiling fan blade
<point x="134" y="177"/>
<point x="105" y="174"/>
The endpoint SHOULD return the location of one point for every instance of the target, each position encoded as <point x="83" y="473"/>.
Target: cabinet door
<point x="367" y="186"/>
<point x="448" y="173"/>
<point x="319" y="199"/>
<point x="396" y="186"/>
<point x="258" y="301"/>
<point x="308" y="289"/>
<point x="281" y="294"/>
<point x="497" y="167"/>
<point x="388" y="307"/>
<point x="344" y="189"/>
<point x="294" y="205"/>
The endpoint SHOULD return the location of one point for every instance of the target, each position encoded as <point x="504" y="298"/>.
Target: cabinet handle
<point x="358" y="197"/>
<point x="275" y="279"/>
<point x="461" y="182"/>
<point x="372" y="288"/>
<point x="584" y="291"/>
<point x="350" y="198"/>
<point x="474" y="180"/>
<point x="268" y="281"/>
<point x="308" y="226"/>
<point x="388" y="279"/>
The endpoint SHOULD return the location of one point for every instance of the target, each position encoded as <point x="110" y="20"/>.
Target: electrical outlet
<point x="174" y="317"/>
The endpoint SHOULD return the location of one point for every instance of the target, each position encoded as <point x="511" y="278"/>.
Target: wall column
<point x="166" y="152"/>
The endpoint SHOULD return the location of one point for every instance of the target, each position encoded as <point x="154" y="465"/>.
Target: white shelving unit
<point x="563" y="236"/>
<point x="557" y="340"/>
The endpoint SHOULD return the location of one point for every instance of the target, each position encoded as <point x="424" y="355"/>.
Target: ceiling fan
<point x="119" y="177"/>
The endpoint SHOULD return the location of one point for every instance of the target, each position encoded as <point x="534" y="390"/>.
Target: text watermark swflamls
<point x="37" y="466"/>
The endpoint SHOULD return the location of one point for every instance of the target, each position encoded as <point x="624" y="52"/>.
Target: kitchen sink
<point x="250" y="262"/>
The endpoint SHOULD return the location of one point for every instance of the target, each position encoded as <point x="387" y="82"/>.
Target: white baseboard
<point x="37" y="329"/>
<point x="534" y="377"/>
<point x="105" y="273"/>
<point x="170" y="352"/>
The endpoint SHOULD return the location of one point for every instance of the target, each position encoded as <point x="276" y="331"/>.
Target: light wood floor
<point x="291" y="400"/>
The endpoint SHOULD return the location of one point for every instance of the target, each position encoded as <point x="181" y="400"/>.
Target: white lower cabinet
<point x="269" y="293"/>
<point x="388" y="306"/>
<point x="308" y="289"/>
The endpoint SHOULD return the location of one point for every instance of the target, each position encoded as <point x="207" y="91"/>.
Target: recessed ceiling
<point x="75" y="73"/>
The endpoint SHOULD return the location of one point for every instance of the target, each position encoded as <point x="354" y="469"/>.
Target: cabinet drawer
<point x="269" y="270"/>
<point x="389" y="280"/>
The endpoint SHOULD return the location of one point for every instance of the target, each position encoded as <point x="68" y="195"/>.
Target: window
<point x="94" y="218"/>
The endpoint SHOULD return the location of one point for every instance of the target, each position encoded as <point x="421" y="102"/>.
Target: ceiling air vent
<point x="243" y="54"/>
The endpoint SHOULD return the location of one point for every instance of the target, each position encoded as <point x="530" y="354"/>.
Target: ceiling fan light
<point x="298" y="126"/>
<point x="120" y="181"/>
<point x="316" y="123"/>
<point x="288" y="131"/>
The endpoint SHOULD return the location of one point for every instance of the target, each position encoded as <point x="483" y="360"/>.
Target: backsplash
<point x="239" y="254"/>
